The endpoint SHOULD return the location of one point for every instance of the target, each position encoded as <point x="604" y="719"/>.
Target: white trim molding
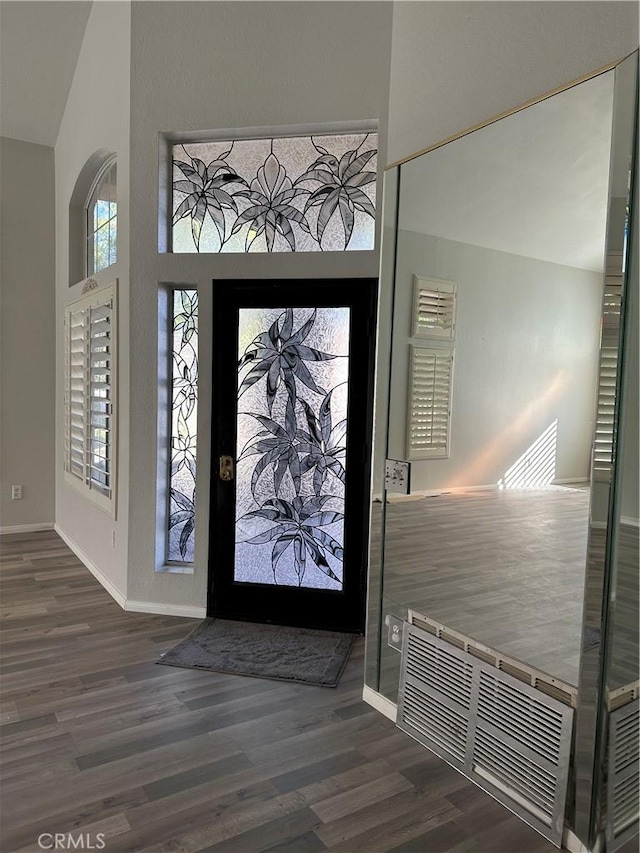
<point x="111" y="588"/>
<point x="162" y="609"/>
<point x="385" y="706"/>
<point x="157" y="607"/>
<point x="26" y="528"/>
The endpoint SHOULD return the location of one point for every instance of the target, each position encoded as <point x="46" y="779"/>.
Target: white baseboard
<point x="457" y="490"/>
<point x="385" y="706"/>
<point x="113" y="590"/>
<point x="629" y="522"/>
<point x="159" y="608"/>
<point x="26" y="528"/>
<point x="166" y="609"/>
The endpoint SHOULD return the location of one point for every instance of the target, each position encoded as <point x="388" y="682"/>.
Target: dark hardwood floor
<point x="98" y="739"/>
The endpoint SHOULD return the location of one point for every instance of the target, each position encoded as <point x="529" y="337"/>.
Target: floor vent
<point x="623" y="806"/>
<point x="509" y="738"/>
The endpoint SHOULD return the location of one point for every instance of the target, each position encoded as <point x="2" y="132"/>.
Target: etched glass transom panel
<point x="286" y="194"/>
<point x="293" y="372"/>
<point x="184" y="417"/>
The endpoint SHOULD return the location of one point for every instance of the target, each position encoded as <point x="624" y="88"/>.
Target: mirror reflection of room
<point x="494" y="379"/>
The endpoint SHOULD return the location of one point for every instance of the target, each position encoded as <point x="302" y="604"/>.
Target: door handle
<point x="225" y="468"/>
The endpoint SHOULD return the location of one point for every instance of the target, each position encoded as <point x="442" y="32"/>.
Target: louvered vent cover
<point x="623" y="781"/>
<point x="507" y="737"/>
<point x="429" y="415"/>
<point x="434" y="308"/>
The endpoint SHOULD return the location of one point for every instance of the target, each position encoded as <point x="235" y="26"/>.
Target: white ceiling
<point x="39" y="47"/>
<point x="533" y="184"/>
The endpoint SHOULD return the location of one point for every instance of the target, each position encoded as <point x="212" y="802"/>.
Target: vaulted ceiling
<point x="39" y="47"/>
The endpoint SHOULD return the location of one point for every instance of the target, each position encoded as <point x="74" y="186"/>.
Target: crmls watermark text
<point x="67" y="841"/>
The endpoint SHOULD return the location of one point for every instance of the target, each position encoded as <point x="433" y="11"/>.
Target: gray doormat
<point x="264" y="651"/>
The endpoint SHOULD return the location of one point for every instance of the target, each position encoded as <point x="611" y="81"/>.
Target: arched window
<point x="102" y="220"/>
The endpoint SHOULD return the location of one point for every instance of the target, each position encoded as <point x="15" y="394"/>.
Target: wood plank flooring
<point x="506" y="568"/>
<point x="98" y="739"/>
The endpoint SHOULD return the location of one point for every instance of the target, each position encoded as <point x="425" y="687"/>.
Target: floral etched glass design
<point x="287" y="194"/>
<point x="291" y="446"/>
<point x="184" y="415"/>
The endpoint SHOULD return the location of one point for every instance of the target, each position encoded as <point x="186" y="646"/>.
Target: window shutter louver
<point x="608" y="369"/>
<point x="99" y="462"/>
<point x="76" y="391"/>
<point x="431" y="374"/>
<point x="434" y="308"/>
<point x="89" y="394"/>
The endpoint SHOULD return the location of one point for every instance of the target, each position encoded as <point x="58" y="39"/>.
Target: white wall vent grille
<point x="434" y="308"/>
<point x="509" y="738"/>
<point x="623" y="785"/>
<point x="429" y="415"/>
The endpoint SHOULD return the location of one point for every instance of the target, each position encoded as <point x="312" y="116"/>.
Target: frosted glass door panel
<point x="291" y="451"/>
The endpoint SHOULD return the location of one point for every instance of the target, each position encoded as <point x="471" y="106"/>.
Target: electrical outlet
<point x="16" y="493"/>
<point x="396" y="629"/>
<point x="113" y="539"/>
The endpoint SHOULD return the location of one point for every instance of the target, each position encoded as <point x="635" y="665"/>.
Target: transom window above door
<point x="278" y="194"/>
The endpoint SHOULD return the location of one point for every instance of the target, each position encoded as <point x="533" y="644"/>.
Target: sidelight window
<point x="183" y="337"/>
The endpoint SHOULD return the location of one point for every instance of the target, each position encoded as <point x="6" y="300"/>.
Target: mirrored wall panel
<point x="505" y="499"/>
<point x="498" y="390"/>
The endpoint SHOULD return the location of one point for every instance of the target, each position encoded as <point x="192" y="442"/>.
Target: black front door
<point x="291" y="446"/>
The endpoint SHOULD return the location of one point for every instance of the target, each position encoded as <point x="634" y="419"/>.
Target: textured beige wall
<point x="27" y="332"/>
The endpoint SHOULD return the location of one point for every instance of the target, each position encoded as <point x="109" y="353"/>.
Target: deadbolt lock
<point x="225" y="467"/>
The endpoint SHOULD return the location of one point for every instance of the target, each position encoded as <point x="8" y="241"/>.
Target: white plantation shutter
<point x="429" y="415"/>
<point x="603" y="446"/>
<point x="90" y="394"/>
<point x="608" y="368"/>
<point x="101" y="410"/>
<point x="434" y="308"/>
<point x="76" y="338"/>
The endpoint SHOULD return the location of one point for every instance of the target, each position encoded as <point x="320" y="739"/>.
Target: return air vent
<point x="443" y="726"/>
<point x="623" y="799"/>
<point x="509" y="738"/>
<point x="439" y="669"/>
<point x="518" y="715"/>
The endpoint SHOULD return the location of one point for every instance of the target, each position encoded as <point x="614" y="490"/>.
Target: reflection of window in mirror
<point x="434" y="308"/>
